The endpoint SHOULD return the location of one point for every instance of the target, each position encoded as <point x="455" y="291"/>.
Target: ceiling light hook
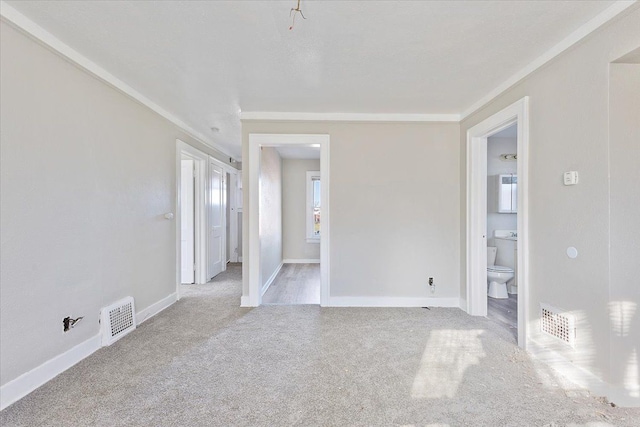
<point x="295" y="11"/>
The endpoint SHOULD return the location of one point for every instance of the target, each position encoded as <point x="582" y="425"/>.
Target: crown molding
<point x="348" y="117"/>
<point x="26" y="25"/>
<point x="573" y="38"/>
<point x="17" y="19"/>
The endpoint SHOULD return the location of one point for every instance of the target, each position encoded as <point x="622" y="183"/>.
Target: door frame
<point x="190" y="269"/>
<point x="476" y="239"/>
<point x="253" y="281"/>
<point x="200" y="222"/>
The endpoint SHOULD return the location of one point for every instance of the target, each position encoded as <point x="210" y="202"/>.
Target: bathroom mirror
<point x="507" y="193"/>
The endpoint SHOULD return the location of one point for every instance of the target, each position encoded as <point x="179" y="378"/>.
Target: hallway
<point x="295" y="284"/>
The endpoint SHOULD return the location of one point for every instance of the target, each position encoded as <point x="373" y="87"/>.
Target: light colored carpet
<point x="207" y="362"/>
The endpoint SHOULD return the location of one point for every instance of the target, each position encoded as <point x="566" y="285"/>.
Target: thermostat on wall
<point x="571" y="178"/>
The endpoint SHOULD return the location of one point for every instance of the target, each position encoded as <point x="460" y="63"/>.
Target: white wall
<point x="87" y="175"/>
<point x="394" y="206"/>
<point x="294" y="209"/>
<point x="270" y="212"/>
<point x="569" y="124"/>
<point x="496" y="166"/>
<point x="625" y="228"/>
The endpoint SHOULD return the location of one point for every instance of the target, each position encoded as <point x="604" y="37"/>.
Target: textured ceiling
<point x="206" y="61"/>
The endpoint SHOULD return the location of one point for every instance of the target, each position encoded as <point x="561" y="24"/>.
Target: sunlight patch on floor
<point x="446" y="357"/>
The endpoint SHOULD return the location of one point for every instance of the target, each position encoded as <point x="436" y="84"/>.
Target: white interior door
<point x="187" y="225"/>
<point x="216" y="223"/>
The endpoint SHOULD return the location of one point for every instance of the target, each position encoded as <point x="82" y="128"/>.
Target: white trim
<point x="245" y="302"/>
<point x="348" y="117"/>
<point x="580" y="376"/>
<point x="253" y="280"/>
<point x="26" y="383"/>
<point x="476" y="256"/>
<point x="583" y="31"/>
<point x="20" y="21"/>
<point x="156" y="308"/>
<point x="567" y="369"/>
<point x="301" y="261"/>
<point x="393" y="302"/>
<point x="268" y="283"/>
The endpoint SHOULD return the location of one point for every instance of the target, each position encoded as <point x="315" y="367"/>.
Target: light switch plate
<point x="571" y="178"/>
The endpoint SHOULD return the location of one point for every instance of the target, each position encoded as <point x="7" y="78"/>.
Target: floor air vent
<point x="558" y="324"/>
<point x="117" y="320"/>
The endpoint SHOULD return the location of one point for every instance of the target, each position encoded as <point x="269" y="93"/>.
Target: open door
<point x="187" y="224"/>
<point x="216" y="223"/>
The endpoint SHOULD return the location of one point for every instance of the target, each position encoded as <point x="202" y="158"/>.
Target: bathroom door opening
<point x="502" y="228"/>
<point x="476" y="212"/>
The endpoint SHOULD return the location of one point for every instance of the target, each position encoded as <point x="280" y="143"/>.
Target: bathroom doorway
<point x="502" y="228"/>
<point x="476" y="212"/>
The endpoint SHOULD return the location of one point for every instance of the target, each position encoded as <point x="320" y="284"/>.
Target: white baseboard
<point x="393" y="302"/>
<point x="244" y="301"/>
<point x="581" y="376"/>
<point x="622" y="397"/>
<point x="271" y="279"/>
<point x="156" y="308"/>
<point x="301" y="261"/>
<point x="463" y="305"/>
<point x="26" y="383"/>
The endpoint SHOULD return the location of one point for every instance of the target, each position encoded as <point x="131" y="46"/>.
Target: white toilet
<point x="497" y="275"/>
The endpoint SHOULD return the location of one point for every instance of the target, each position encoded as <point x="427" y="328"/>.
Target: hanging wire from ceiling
<point x="295" y="11"/>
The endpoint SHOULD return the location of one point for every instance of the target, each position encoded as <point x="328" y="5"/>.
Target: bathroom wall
<point x="495" y="166"/>
<point x="294" y="210"/>
<point x="569" y="130"/>
<point x="270" y="212"/>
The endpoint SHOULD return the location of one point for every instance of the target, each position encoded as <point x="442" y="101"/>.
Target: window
<point x="313" y="206"/>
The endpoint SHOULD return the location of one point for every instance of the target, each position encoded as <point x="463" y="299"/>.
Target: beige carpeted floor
<point x="206" y="362"/>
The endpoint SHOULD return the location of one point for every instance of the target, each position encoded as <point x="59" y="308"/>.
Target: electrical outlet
<point x="432" y="286"/>
<point x="68" y="322"/>
<point x="430" y="281"/>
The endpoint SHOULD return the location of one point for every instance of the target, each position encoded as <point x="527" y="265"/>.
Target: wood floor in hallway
<point x="295" y="284"/>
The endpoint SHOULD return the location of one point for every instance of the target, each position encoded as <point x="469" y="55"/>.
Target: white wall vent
<point x="117" y="320"/>
<point x="558" y="324"/>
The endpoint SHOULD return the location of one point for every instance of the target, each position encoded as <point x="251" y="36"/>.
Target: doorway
<point x="203" y="196"/>
<point x="264" y="263"/>
<point x="191" y="218"/>
<point x="502" y="228"/>
<point x="476" y="239"/>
